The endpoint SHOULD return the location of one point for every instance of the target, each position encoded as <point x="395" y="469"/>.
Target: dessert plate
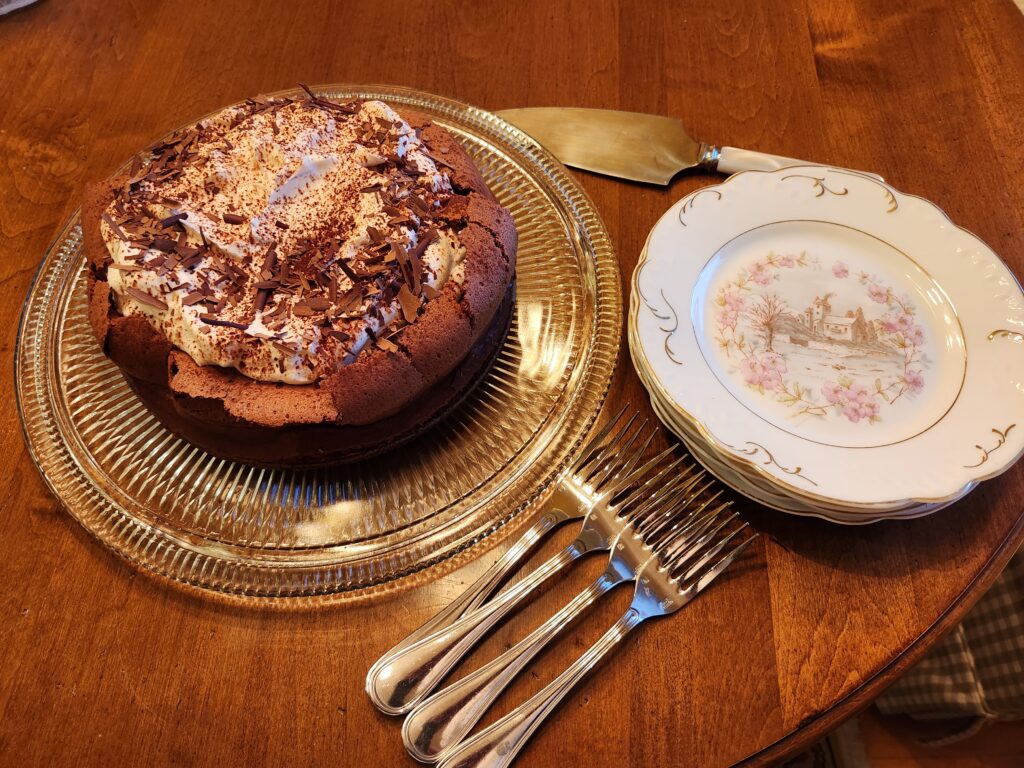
<point x="756" y="488"/>
<point x="842" y="342"/>
<point x="229" y="527"/>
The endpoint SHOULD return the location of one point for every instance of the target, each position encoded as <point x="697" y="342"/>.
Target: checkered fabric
<point x="977" y="670"/>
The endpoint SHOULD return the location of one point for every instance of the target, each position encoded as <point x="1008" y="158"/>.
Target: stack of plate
<point x="829" y="346"/>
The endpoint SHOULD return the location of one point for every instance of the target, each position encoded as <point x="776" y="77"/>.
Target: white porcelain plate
<point x="845" y="341"/>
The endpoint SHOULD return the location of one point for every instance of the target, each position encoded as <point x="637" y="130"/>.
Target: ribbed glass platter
<point x="348" y="530"/>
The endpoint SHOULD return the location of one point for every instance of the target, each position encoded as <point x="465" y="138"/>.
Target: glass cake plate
<point x="347" y="530"/>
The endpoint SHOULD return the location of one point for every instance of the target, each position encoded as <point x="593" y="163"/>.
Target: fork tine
<point x="596" y="440"/>
<point x="651" y="503"/>
<point x="630" y="473"/>
<point x="684" y="532"/>
<point x="613" y="464"/>
<point x="702" y="521"/>
<point x="671" y="512"/>
<point x="681" y="497"/>
<point x="643" y="494"/>
<point x="606" y="451"/>
<point x="682" y="556"/>
<point x="712" y="573"/>
<point x="615" y="467"/>
<point x="608" y="457"/>
<point x="659" y="528"/>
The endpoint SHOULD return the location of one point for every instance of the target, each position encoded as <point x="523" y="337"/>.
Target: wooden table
<point x="103" y="665"/>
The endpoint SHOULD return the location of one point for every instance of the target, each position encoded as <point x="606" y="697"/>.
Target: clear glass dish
<point x="348" y="530"/>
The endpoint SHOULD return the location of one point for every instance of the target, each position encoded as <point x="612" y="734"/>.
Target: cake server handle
<point x="473" y="596"/>
<point x="730" y="160"/>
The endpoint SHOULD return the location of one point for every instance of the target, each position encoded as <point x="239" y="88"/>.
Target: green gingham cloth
<point x="977" y="670"/>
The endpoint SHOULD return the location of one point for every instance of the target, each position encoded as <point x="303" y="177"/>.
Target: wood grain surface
<point x="102" y="665"/>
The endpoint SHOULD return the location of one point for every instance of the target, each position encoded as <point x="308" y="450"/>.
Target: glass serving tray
<point x="347" y="530"/>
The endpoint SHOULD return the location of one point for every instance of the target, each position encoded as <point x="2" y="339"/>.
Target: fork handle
<point x="497" y="745"/>
<point x="405" y="679"/>
<point x="444" y="719"/>
<point x="478" y="591"/>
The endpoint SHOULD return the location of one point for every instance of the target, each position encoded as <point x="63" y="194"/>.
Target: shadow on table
<point x="942" y="540"/>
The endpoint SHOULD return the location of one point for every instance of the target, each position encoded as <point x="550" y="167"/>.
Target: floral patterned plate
<point x="844" y="343"/>
<point x="755" y="487"/>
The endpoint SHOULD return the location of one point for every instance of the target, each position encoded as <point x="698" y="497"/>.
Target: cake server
<point x="633" y="145"/>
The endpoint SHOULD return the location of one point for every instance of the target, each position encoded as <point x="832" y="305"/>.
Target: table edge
<point x="817" y="726"/>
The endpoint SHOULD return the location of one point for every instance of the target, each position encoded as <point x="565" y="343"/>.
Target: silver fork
<point x="443" y="719"/>
<point x="405" y="676"/>
<point x="666" y="582"/>
<point x="566" y="503"/>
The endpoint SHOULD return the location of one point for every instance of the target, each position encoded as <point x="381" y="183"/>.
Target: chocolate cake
<point x="300" y="281"/>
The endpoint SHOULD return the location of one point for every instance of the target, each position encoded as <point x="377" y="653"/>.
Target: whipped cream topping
<point x="282" y="237"/>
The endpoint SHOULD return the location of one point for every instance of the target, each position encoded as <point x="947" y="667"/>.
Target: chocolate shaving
<point x="426" y="238"/>
<point x="223" y="323"/>
<point x="126" y="267"/>
<point x="416" y="269"/>
<point x="170" y="221"/>
<point x="386" y="345"/>
<point x="409" y="302"/>
<point x="326" y="103"/>
<point x="118" y="232"/>
<point x="353" y="297"/>
<point x="265" y="288"/>
<point x="348" y="271"/>
<point x="147" y="298"/>
<point x="192" y="298"/>
<point x="233" y="218"/>
<point x="279" y="310"/>
<point x="418" y="205"/>
<point x="280" y="224"/>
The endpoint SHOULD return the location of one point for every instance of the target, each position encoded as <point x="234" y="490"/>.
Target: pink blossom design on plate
<point x="761" y="329"/>
<point x="878" y="293"/>
<point x="764" y="370"/>
<point x="914" y="380"/>
<point x="855" y="400"/>
<point x="730" y="303"/>
<point x="759" y="273"/>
